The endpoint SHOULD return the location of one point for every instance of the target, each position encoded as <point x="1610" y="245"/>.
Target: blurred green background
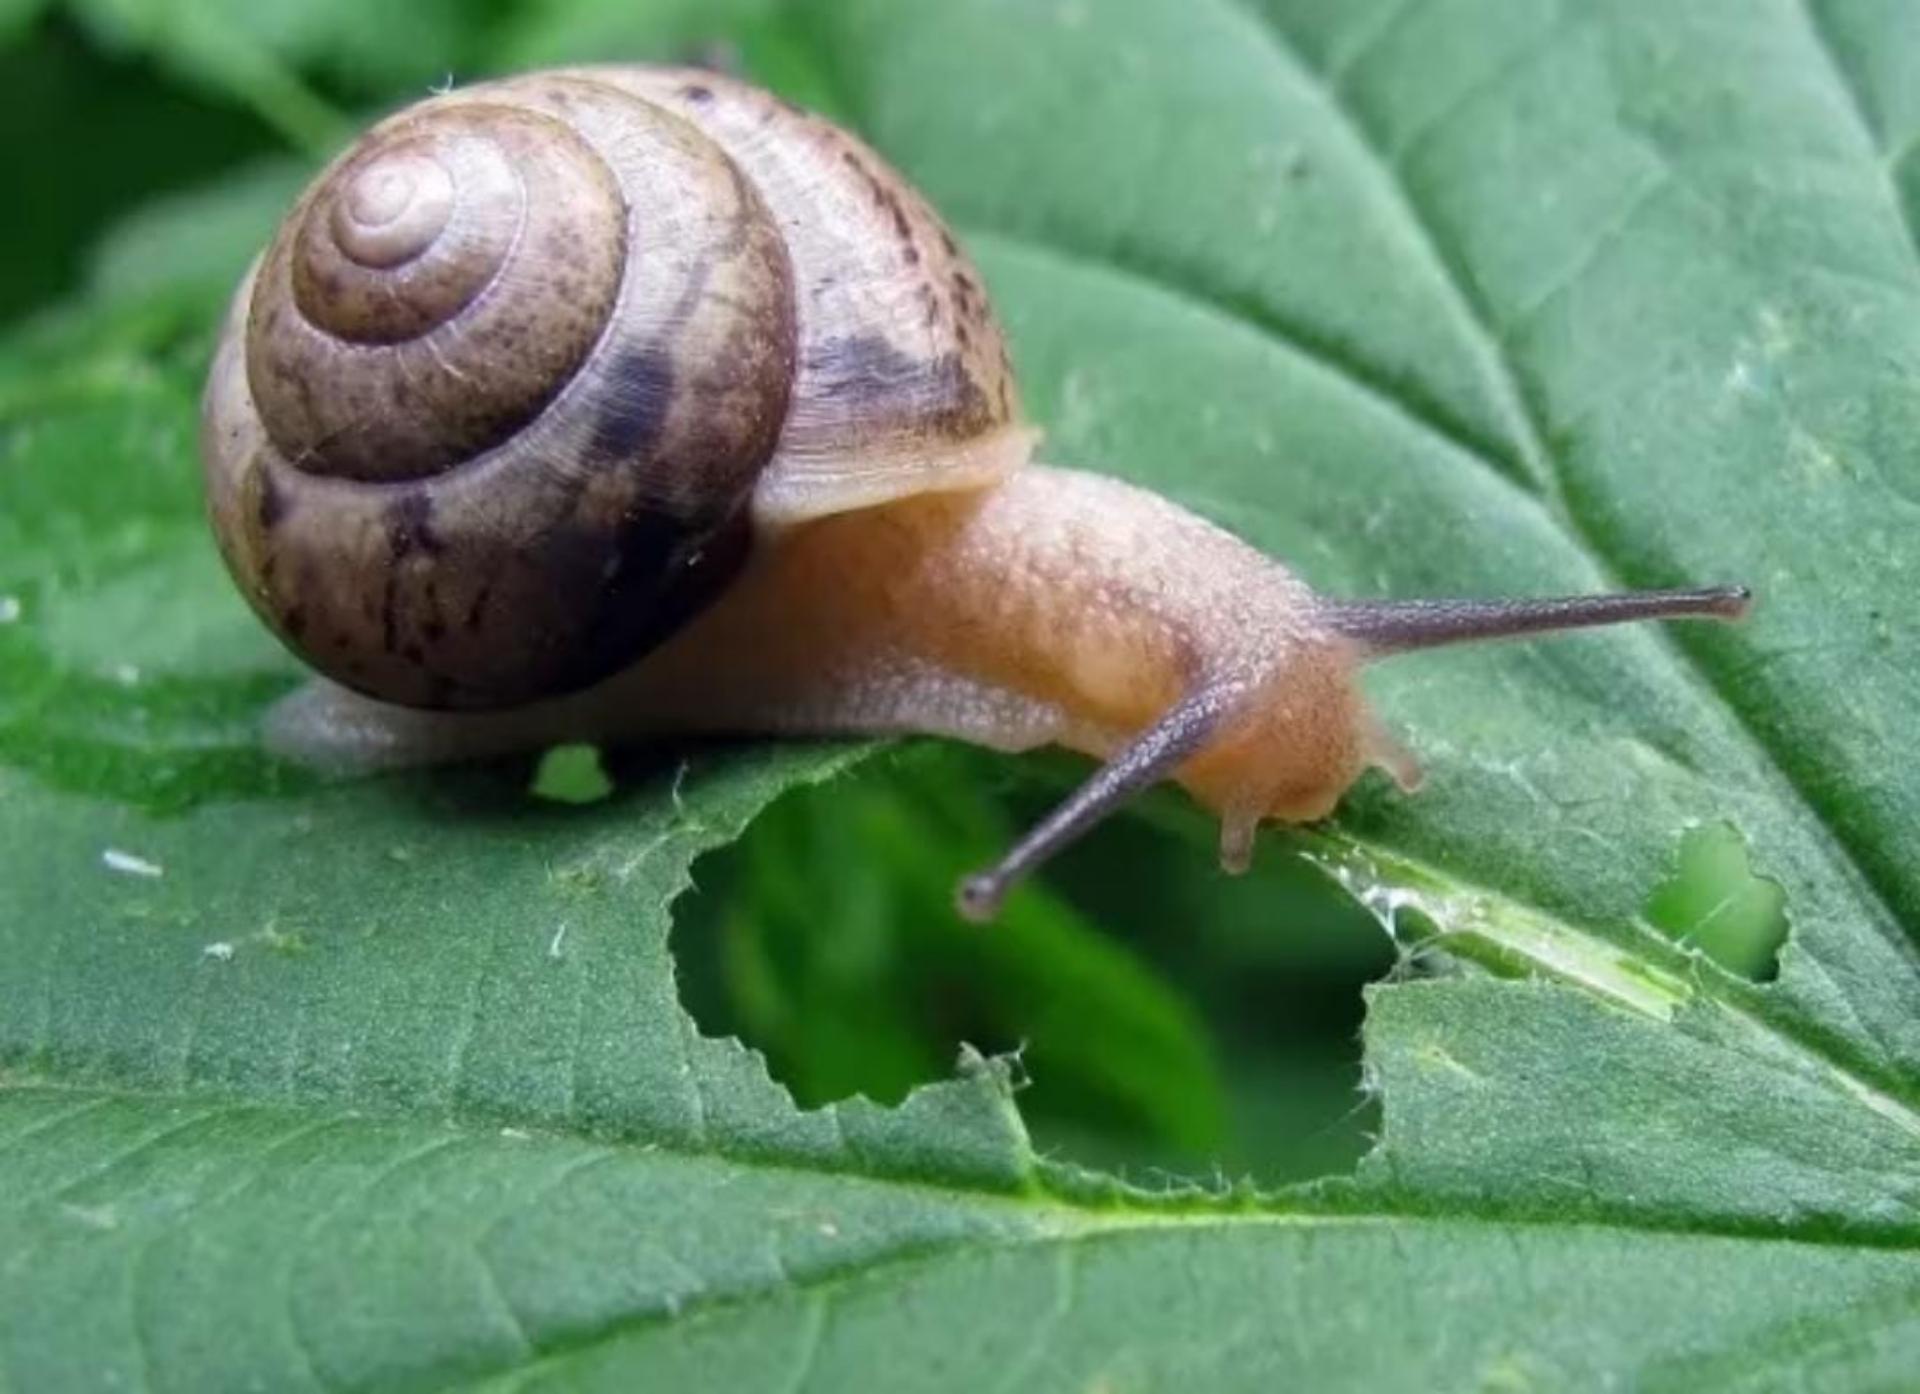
<point x="1173" y="1022"/>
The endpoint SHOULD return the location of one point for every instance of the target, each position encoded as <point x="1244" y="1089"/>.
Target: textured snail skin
<point x="629" y="401"/>
<point x="1056" y="607"/>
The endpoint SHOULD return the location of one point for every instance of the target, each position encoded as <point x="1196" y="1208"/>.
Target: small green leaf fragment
<point x="571" y="774"/>
<point x="1715" y="903"/>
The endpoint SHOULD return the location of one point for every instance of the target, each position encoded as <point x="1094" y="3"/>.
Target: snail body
<point x="607" y="403"/>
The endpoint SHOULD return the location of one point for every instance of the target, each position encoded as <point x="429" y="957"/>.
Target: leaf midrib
<point x="1103" y="1205"/>
<point x="824" y="1284"/>
<point x="1068" y="1228"/>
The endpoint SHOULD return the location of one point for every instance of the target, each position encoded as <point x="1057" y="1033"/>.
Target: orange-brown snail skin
<point x="603" y="403"/>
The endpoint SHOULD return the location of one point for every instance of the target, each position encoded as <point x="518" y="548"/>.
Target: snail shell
<point x="528" y="368"/>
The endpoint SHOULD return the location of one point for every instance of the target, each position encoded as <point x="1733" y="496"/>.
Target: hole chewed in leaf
<point x="1714" y="902"/>
<point x="1173" y="1022"/>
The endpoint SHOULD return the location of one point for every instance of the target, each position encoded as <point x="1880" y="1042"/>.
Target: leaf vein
<point x="1421" y="238"/>
<point x="1853" y="98"/>
<point x="813" y="1332"/>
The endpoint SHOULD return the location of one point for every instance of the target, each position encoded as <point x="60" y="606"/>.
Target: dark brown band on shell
<point x="903" y="381"/>
<point x="433" y="550"/>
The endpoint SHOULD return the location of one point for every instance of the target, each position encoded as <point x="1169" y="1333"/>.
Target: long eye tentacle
<point x="1150" y="757"/>
<point x="1384" y="627"/>
<point x="1379" y="628"/>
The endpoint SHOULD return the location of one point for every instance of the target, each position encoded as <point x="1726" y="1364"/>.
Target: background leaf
<point x="395" y="1082"/>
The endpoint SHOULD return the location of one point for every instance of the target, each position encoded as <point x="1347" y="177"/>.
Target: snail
<point x="608" y="403"/>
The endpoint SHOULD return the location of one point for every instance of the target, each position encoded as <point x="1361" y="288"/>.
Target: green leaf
<point x="195" y="245"/>
<point x="239" y="52"/>
<point x="65" y="98"/>
<point x="17" y="17"/>
<point x="263" y="54"/>
<point x="389" y="1082"/>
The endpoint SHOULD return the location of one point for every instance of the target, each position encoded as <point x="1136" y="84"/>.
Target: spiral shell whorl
<point x="392" y="209"/>
<point x="494" y="401"/>
<point x="435" y="291"/>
